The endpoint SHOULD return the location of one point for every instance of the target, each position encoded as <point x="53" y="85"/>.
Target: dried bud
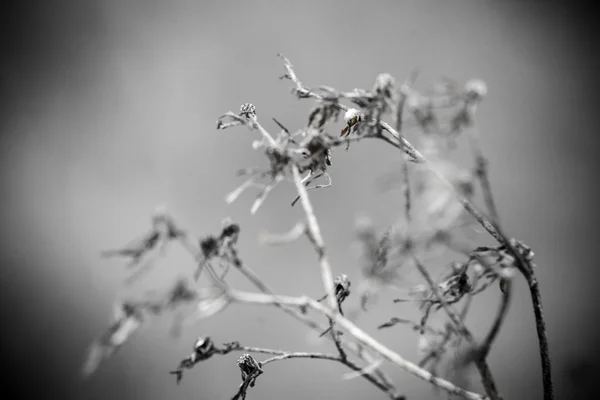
<point x="341" y="288"/>
<point x="384" y="85"/>
<point x="231" y="231"/>
<point x="209" y="246"/>
<point x="522" y="248"/>
<point x="455" y="287"/>
<point x="248" y="110"/>
<point x="249" y="366"/>
<point x="352" y="117"/>
<point x="204" y="347"/>
<point x="476" y="90"/>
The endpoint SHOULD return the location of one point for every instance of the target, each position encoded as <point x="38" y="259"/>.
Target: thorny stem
<point x="315" y="235"/>
<point x="361" y="336"/>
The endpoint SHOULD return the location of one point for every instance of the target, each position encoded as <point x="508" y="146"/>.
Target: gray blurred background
<point x="109" y="109"/>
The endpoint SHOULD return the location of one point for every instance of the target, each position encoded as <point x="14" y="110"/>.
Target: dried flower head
<point x="250" y="368"/>
<point x="209" y="246"/>
<point x="384" y="85"/>
<point x="353" y="118"/>
<point x="341" y="289"/>
<point x="247" y="110"/>
<point x="204" y="348"/>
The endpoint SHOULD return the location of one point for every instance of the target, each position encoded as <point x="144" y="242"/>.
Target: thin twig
<point x="481" y="168"/>
<point x="485" y="347"/>
<point x="315" y="234"/>
<point x="361" y="336"/>
<point x="379" y="378"/>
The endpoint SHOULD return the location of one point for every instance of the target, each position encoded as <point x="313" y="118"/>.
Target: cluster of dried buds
<point x="312" y="154"/>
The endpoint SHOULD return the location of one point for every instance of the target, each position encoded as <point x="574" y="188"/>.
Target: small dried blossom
<point x="249" y="368"/>
<point x="352" y="118"/>
<point x="203" y="349"/>
<point x="222" y="246"/>
<point x="247" y="110"/>
<point x="341" y="289"/>
<point x="475" y="90"/>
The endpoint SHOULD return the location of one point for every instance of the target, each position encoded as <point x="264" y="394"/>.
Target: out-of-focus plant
<point x="438" y="200"/>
